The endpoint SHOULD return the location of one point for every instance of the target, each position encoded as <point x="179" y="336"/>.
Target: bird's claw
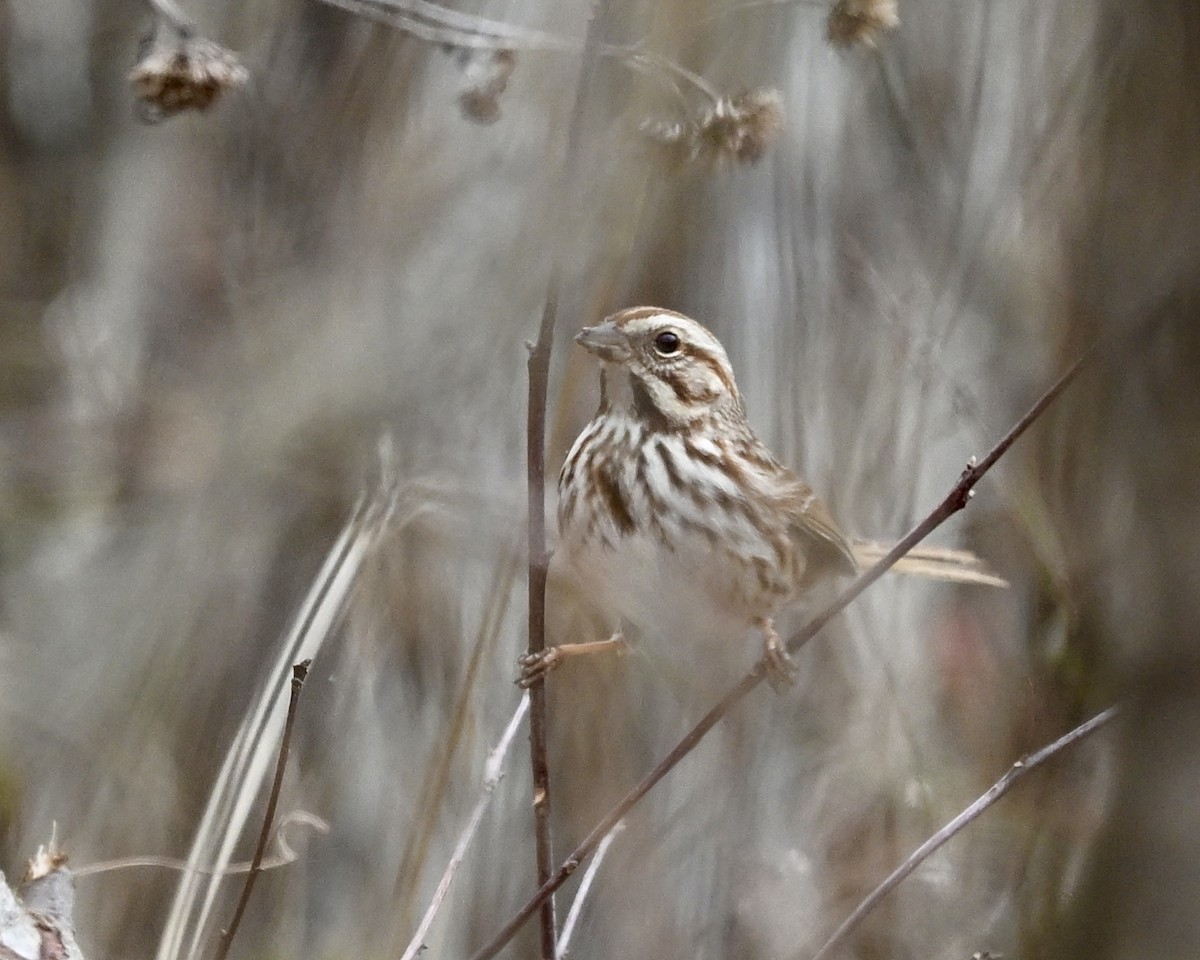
<point x="779" y="667"/>
<point x="535" y="666"/>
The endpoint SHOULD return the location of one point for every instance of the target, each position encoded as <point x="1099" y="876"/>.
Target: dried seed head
<point x="742" y="127"/>
<point x="737" y="128"/>
<point x="860" y="21"/>
<point x="176" y="74"/>
<point x="487" y="77"/>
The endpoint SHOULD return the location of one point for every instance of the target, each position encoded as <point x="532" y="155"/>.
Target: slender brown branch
<point x="539" y="374"/>
<point x="994" y="793"/>
<point x="539" y="377"/>
<point x="299" y="672"/>
<point x="956" y="500"/>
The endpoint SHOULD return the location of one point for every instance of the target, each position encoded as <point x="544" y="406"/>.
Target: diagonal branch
<point x="956" y="500"/>
<point x="994" y="793"/>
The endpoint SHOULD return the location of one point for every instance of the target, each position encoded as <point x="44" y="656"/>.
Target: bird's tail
<point x="937" y="563"/>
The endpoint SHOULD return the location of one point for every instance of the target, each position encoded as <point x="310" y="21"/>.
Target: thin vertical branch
<point x="539" y="378"/>
<point x="299" y="672"/>
<point x="248" y="758"/>
<point x="994" y="793"/>
<point x="539" y="374"/>
<point x="958" y="497"/>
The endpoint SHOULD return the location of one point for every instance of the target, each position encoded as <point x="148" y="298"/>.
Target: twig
<point x="454" y="28"/>
<point x="539" y="378"/>
<point x="492" y="772"/>
<point x="436" y="779"/>
<point x="299" y="672"/>
<point x="170" y="14"/>
<point x="585" y="887"/>
<point x="958" y="498"/>
<point x="641" y="60"/>
<point x="433" y="23"/>
<point x="994" y="793"/>
<point x="249" y="756"/>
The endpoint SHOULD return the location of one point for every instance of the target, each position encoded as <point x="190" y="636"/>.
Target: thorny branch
<point x="994" y="793"/>
<point x="957" y="499"/>
<point x="299" y="672"/>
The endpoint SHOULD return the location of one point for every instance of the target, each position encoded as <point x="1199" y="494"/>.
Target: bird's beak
<point x="605" y="341"/>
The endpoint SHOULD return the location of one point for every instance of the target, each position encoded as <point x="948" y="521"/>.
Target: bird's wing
<point x="827" y="550"/>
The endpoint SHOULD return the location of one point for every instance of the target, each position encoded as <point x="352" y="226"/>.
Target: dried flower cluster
<point x="183" y="73"/>
<point x="860" y="21"/>
<point x="486" y="77"/>
<point x="739" y="128"/>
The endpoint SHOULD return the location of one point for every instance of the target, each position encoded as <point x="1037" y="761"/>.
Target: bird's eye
<point x="667" y="343"/>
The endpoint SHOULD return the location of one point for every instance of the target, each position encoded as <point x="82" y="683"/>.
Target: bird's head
<point x="662" y="366"/>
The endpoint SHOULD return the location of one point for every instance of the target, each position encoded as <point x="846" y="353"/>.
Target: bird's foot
<point x="535" y="666"/>
<point x="777" y="663"/>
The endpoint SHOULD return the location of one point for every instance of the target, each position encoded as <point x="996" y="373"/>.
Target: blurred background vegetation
<point x="209" y="325"/>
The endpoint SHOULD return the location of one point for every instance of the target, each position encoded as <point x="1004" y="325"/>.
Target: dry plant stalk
<point x="286" y="855"/>
<point x="960" y="822"/>
<point x="539" y="561"/>
<point x="248" y="757"/>
<point x="493" y="770"/>
<point x="585" y="887"/>
<point x="299" y="672"/>
<point x="737" y="128"/>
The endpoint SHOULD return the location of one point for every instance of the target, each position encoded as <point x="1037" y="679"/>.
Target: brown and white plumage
<point x="672" y="513"/>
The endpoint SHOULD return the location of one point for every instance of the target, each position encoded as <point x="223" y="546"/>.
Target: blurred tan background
<point x="208" y="325"/>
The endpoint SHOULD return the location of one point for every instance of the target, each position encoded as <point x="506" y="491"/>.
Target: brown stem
<point x="994" y="793"/>
<point x="539" y="377"/>
<point x="956" y="500"/>
<point x="539" y="366"/>
<point x="299" y="672"/>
